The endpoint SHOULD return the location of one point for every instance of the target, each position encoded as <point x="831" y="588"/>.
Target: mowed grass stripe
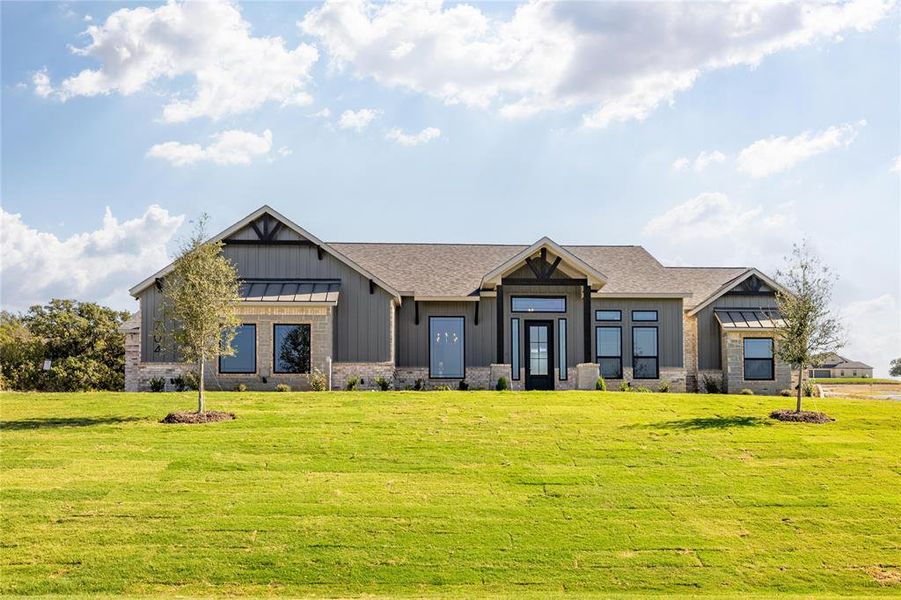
<point x="448" y="494"/>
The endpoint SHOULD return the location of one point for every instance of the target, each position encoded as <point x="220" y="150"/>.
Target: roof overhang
<point x="726" y="287"/>
<point x="570" y="264"/>
<point x="661" y="295"/>
<point x="445" y="298"/>
<point x="749" y="319"/>
<point x="265" y="209"/>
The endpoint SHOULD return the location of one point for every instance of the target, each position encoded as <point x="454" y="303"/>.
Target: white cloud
<point x="325" y="113"/>
<point x="701" y="162"/>
<point x="413" y="139"/>
<point x="233" y="147"/>
<point x="712" y="228"/>
<point x="232" y="70"/>
<point x="619" y="60"/>
<point x="357" y="120"/>
<point x="99" y="265"/>
<point x="873" y="329"/>
<point x="41" y="83"/>
<point x="777" y="154"/>
<point x="896" y="166"/>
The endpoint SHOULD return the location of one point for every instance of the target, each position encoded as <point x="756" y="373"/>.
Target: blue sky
<point x="712" y="134"/>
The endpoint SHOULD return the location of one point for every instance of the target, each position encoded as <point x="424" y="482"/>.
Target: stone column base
<point x="587" y="376"/>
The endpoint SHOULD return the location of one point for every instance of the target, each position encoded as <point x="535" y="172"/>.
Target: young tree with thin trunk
<point x="200" y="298"/>
<point x="811" y="330"/>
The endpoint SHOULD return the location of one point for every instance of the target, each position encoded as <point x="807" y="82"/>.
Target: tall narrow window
<point x="644" y="353"/>
<point x="759" y="359"/>
<point x="446" y="355"/>
<point x="291" y="349"/>
<point x="561" y="349"/>
<point x="609" y="351"/>
<point x="244" y="360"/>
<point x="514" y="349"/>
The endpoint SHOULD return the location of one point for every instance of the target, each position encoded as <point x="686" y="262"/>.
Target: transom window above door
<point x="541" y="304"/>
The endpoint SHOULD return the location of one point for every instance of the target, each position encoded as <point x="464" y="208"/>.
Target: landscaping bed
<point x="210" y="416"/>
<point x="803" y="416"/>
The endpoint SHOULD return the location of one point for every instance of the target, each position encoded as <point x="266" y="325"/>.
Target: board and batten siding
<point x="362" y="320"/>
<point x="573" y="316"/>
<point x="709" y="340"/>
<point x="480" y="341"/>
<point x="669" y="326"/>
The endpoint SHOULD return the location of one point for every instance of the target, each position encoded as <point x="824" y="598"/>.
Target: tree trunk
<point x="200" y="388"/>
<point x="800" y="372"/>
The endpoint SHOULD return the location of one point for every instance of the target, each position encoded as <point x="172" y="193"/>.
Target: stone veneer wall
<point x="733" y="361"/>
<point x="138" y="374"/>
<point x="690" y="352"/>
<point x="367" y="373"/>
<point x="674" y="376"/>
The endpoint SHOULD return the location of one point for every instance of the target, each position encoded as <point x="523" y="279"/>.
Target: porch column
<point x="500" y="324"/>
<point x="586" y="322"/>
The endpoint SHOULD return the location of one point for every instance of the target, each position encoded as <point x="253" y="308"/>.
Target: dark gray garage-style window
<point x="244" y="359"/>
<point x="291" y="350"/>
<point x="446" y="348"/>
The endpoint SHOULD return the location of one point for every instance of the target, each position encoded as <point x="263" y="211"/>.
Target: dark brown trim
<point x="563" y="281"/>
<point x="500" y="324"/>
<point x="416" y="312"/>
<point x="533" y="268"/>
<point x="586" y="323"/>
<point x="478" y="303"/>
<point x="319" y="252"/>
<point x="553" y="268"/>
<point x="371" y="287"/>
<point x="234" y="242"/>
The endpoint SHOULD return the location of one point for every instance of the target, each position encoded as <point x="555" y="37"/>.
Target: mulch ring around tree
<point x="210" y="416"/>
<point x="804" y="416"/>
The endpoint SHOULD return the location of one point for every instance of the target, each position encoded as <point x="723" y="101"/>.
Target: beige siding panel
<point x="361" y="319"/>
<point x="709" y="354"/>
<point x="413" y="340"/>
<point x="669" y="326"/>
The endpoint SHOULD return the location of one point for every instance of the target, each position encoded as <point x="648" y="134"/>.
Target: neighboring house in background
<point x="833" y="365"/>
<point x="544" y="316"/>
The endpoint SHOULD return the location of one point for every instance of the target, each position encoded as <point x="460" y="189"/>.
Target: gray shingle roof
<point x="457" y="269"/>
<point x="837" y="361"/>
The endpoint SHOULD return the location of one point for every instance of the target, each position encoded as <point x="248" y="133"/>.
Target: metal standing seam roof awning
<point x="735" y="319"/>
<point x="290" y="290"/>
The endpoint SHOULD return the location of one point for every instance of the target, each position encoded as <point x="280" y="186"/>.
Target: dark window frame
<point x="641" y="310"/>
<point x="597" y="317"/>
<point x="656" y="356"/>
<point x="598" y="357"/>
<point x="515" y="350"/>
<point x="274" y="349"/>
<point x="538" y="312"/>
<point x="562" y="363"/>
<point x="463" y="331"/>
<point x="771" y="360"/>
<point x="256" y="350"/>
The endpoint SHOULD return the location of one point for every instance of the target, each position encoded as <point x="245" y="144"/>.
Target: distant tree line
<point x="63" y="346"/>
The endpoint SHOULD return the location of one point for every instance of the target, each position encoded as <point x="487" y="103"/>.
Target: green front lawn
<point x="450" y="494"/>
<point x="840" y="380"/>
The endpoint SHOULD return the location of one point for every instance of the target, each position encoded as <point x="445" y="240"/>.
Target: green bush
<point x="663" y="387"/>
<point x="786" y="393"/>
<point x="600" y="385"/>
<point x="318" y="380"/>
<point x="418" y="385"/>
<point x="463" y="386"/>
<point x="713" y="384"/>
<point x="809" y="389"/>
<point x="157" y="384"/>
<point x="283" y="387"/>
<point x="352" y="384"/>
<point x="382" y="383"/>
<point x="186" y="381"/>
<point x="625" y="387"/>
<point x="502" y="384"/>
<point x="747" y="392"/>
<point x="642" y="389"/>
<point x="441" y="388"/>
<point x="240" y="387"/>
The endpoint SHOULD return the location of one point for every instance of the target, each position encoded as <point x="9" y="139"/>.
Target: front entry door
<point x="539" y="344"/>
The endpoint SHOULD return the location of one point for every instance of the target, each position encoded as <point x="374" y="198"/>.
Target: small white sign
<point x="47" y="365"/>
